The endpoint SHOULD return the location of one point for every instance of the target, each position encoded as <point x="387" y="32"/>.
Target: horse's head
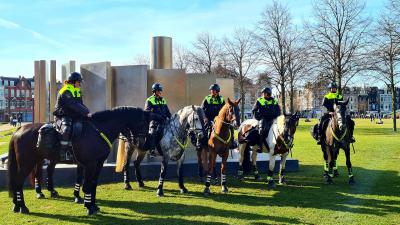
<point x="231" y="113"/>
<point x="194" y="119"/>
<point x="340" y="112"/>
<point x="291" y="123"/>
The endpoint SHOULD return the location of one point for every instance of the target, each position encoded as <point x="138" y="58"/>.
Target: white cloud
<point x="8" y="24"/>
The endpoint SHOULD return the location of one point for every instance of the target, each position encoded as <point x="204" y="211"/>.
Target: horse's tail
<point x="12" y="165"/>
<point x="121" y="156"/>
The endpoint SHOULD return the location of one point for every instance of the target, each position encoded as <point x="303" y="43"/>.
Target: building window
<point x="22" y="84"/>
<point x="12" y="92"/>
<point x="5" y="93"/>
<point x="18" y="93"/>
<point x="12" y="83"/>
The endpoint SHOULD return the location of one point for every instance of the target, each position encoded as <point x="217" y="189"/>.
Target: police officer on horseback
<point x="156" y="104"/>
<point x="69" y="108"/>
<point x="211" y="106"/>
<point x="265" y="110"/>
<point x="329" y="100"/>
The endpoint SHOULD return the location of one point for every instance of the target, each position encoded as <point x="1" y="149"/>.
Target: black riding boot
<point x="65" y="148"/>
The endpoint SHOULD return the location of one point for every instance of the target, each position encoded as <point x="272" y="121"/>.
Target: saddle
<point x="48" y="140"/>
<point x="77" y="128"/>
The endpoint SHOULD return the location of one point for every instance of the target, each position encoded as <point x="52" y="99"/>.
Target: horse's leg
<point x="242" y="149"/>
<point x="211" y="164"/>
<point x="330" y="165"/>
<point x="17" y="184"/>
<point x="38" y="180"/>
<point x="282" y="179"/>
<point x="254" y="162"/>
<point x="326" y="164"/>
<point x="88" y="187"/>
<point x="139" y="158"/>
<point x="335" y="165"/>
<point x="224" y="157"/>
<point x="78" y="184"/>
<point x="200" y="164"/>
<point x="95" y="181"/>
<point x="179" y="165"/>
<point x="349" y="166"/>
<point x="126" y="168"/>
<point x="164" y="166"/>
<point x="270" y="174"/>
<point x="50" y="181"/>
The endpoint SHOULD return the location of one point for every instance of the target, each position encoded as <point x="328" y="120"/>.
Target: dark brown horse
<point x="336" y="137"/>
<point x="90" y="149"/>
<point x="219" y="141"/>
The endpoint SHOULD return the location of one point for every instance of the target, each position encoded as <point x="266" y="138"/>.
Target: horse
<point x="220" y="140"/>
<point x="174" y="141"/>
<point x="280" y="141"/>
<point x="336" y="137"/>
<point x="90" y="149"/>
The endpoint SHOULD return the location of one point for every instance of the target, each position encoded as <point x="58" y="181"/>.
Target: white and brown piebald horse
<point x="279" y="140"/>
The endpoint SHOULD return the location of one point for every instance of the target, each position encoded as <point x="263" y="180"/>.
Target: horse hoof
<point x="128" y="187"/>
<point x="335" y="173"/>
<point x="271" y="185"/>
<point x="78" y="200"/>
<point x="329" y="181"/>
<point x="92" y="210"/>
<point x="282" y="181"/>
<point x="325" y="174"/>
<point x="24" y="210"/>
<point x="16" y="209"/>
<point x="207" y="191"/>
<point x="160" y="193"/>
<point x="184" y="190"/>
<point x="224" y="189"/>
<point x="141" y="184"/>
<point x="40" y="196"/>
<point x="257" y="177"/>
<point x="352" y="181"/>
<point x="54" y="194"/>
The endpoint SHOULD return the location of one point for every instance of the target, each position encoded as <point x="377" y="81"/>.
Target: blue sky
<point x="117" y="30"/>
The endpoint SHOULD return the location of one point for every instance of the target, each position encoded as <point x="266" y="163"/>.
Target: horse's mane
<point x="222" y="112"/>
<point x="280" y="122"/>
<point x="121" y="111"/>
<point x="183" y="113"/>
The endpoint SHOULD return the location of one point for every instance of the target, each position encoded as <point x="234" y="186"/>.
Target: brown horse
<point x="336" y="136"/>
<point x="219" y="141"/>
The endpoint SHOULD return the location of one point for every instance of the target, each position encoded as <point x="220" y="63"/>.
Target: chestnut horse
<point x="220" y="140"/>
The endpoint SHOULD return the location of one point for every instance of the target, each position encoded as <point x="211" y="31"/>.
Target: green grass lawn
<point x="374" y="199"/>
<point x="5" y="137"/>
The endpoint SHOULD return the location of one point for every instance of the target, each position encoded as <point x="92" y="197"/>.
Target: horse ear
<point x="238" y="101"/>
<point x="229" y="101"/>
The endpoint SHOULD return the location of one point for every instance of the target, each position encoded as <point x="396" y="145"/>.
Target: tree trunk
<point x="242" y="102"/>
<point x="283" y="98"/>
<point x="393" y="89"/>
<point x="291" y="97"/>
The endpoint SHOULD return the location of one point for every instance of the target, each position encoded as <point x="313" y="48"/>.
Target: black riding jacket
<point x="158" y="105"/>
<point x="69" y="103"/>
<point x="267" y="109"/>
<point x="211" y="106"/>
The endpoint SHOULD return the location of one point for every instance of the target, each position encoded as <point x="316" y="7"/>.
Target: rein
<point x="334" y="135"/>
<point x="102" y="135"/>
<point x="226" y="142"/>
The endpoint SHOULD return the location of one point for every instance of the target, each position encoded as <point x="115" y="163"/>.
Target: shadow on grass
<point x="307" y="189"/>
<point x="152" y="211"/>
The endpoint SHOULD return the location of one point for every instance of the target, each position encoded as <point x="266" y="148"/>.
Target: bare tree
<point x="205" y="54"/>
<point x="181" y="57"/>
<point x="272" y="33"/>
<point x="386" y="53"/>
<point x="337" y="33"/>
<point x="298" y="65"/>
<point x="241" y="57"/>
<point x="141" y="59"/>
